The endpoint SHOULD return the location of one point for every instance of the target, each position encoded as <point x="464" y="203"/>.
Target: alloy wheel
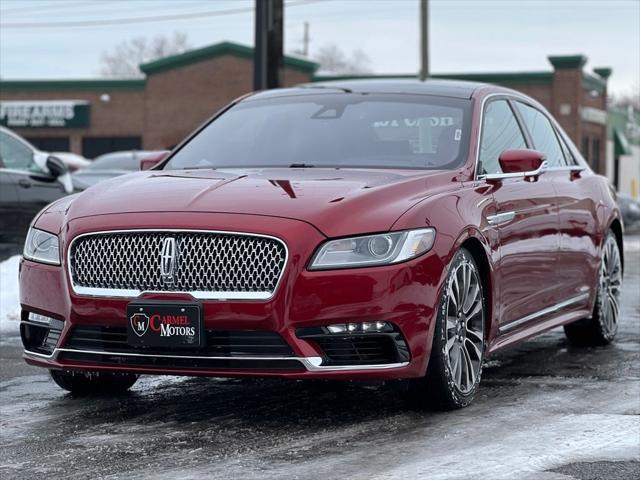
<point x="610" y="286"/>
<point x="465" y="326"/>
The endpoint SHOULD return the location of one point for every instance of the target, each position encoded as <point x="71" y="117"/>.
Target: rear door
<point x="526" y="220"/>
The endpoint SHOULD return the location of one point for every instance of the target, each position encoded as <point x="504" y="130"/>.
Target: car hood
<point x="85" y="178"/>
<point x="335" y="201"/>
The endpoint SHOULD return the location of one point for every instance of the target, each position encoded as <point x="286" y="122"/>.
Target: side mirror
<point x="519" y="164"/>
<point x="147" y="163"/>
<point x="59" y="171"/>
<point x="56" y="167"/>
<point x="520" y="161"/>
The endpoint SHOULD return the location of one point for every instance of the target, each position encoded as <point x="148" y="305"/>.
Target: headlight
<point x="42" y="246"/>
<point x="370" y="250"/>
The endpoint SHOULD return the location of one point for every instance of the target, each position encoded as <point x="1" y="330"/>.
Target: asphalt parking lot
<point x="545" y="411"/>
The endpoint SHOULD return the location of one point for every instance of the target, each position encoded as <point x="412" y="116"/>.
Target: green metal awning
<point x="620" y="142"/>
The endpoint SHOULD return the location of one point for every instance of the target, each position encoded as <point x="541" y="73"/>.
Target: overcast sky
<point x="466" y="36"/>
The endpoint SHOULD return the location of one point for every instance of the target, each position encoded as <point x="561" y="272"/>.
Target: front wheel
<point x="455" y="365"/>
<point x="602" y="326"/>
<point x="93" y="383"/>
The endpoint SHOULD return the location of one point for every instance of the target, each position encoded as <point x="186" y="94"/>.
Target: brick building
<point x="180" y="92"/>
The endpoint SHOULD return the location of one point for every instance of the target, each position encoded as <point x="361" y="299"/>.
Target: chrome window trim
<point x="200" y="295"/>
<point x="543" y="168"/>
<point x="543" y="312"/>
<point x="567" y="168"/>
<point x="532" y="173"/>
<point x="22" y="172"/>
<point x="311" y="364"/>
<point x="578" y="167"/>
<point x="481" y="127"/>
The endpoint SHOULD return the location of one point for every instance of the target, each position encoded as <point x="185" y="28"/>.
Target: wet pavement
<point x="545" y="410"/>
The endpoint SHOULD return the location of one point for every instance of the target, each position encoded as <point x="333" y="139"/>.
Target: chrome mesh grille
<point x="205" y="262"/>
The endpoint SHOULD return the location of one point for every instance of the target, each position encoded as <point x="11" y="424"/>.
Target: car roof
<point x="442" y="88"/>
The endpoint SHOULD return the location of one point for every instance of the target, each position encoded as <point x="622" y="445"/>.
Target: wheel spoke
<point x="453" y="299"/>
<point x="477" y="308"/>
<point x="475" y="349"/>
<point x="470" y="375"/>
<point x="477" y="336"/>
<point x="450" y="343"/>
<point x="471" y="297"/>
<point x="615" y="307"/>
<point x="456" y="293"/>
<point x="606" y="313"/>
<point x="466" y="280"/>
<point x="458" y="370"/>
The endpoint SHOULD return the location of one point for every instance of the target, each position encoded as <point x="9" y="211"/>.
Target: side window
<point x="15" y="154"/>
<point x="569" y="160"/>
<point x="543" y="135"/>
<point x="500" y="132"/>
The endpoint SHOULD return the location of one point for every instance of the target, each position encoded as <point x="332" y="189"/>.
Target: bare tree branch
<point x="335" y="60"/>
<point x="125" y="58"/>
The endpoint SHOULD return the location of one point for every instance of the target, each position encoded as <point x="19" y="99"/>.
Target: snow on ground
<point x="9" y="301"/>
<point x="632" y="243"/>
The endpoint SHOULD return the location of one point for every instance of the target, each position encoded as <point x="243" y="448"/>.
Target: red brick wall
<point x="541" y="93"/>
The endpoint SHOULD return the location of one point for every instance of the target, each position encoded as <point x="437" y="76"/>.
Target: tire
<point x="602" y="326"/>
<point x="457" y="352"/>
<point x="93" y="383"/>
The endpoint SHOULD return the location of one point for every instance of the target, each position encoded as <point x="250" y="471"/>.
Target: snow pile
<point x="9" y="299"/>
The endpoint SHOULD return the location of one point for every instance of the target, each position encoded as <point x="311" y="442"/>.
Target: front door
<point x="32" y="187"/>
<point x="526" y="220"/>
<point x="578" y="256"/>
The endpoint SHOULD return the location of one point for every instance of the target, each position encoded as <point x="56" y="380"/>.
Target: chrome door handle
<point x="500" y="218"/>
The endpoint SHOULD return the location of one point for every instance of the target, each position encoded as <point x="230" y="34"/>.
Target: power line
<point x="130" y="20"/>
<point x="56" y="6"/>
<point x="80" y="8"/>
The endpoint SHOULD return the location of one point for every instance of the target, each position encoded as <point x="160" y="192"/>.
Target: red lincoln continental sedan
<point x="355" y="230"/>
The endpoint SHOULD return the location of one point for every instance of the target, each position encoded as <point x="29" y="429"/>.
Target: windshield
<point x="333" y="130"/>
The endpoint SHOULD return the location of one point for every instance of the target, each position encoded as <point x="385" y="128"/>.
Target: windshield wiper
<point x="301" y="165"/>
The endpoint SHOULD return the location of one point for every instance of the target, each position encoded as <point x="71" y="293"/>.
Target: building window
<point x="585" y="149"/>
<point x="94" y="146"/>
<point x="595" y="155"/>
<point x="50" y="144"/>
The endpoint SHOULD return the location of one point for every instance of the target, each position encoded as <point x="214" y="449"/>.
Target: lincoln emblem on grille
<point x="168" y="260"/>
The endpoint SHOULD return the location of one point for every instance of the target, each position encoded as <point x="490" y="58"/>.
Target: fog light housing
<point x="42" y="319"/>
<point x="357" y="328"/>
<point x="40" y="333"/>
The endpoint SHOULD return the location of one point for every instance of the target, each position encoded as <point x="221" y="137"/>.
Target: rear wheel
<point x="602" y="327"/>
<point x="455" y="365"/>
<point x="93" y="383"/>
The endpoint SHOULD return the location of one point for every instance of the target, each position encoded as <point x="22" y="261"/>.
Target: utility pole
<point x="268" y="53"/>
<point x="305" y="40"/>
<point x="424" y="39"/>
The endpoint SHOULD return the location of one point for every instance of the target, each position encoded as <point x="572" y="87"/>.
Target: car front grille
<point x="214" y="264"/>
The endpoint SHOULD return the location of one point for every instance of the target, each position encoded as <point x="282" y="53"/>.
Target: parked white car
<point x="73" y="161"/>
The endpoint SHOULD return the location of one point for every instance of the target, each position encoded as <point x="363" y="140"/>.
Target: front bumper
<point x="403" y="295"/>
